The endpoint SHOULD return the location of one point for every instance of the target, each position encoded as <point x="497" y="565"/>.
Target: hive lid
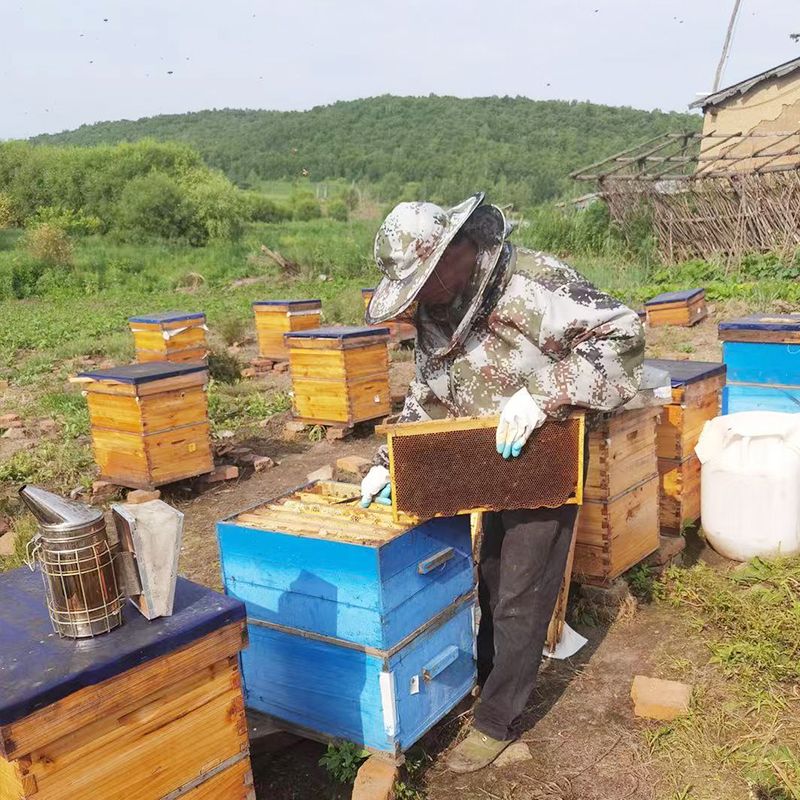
<point x="168" y="316"/>
<point x="342" y="332"/>
<point x="38" y="668"/>
<point x="763" y="322"/>
<point x="287" y="302"/>
<point x="144" y="373"/>
<point x="675" y="297"/>
<point x="366" y="290"/>
<point x="682" y="373"/>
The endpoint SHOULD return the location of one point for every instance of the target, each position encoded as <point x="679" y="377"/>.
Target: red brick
<point x="224" y="472"/>
<point x="375" y="780"/>
<point x="263" y="462"/>
<point x="142" y="496"/>
<point x="353" y="465"/>
<point x="657" y="699"/>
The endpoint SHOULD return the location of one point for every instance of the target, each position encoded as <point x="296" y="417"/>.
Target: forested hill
<point x="519" y="149"/>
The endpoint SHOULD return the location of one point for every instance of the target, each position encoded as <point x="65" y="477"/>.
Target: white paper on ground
<point x="571" y="642"/>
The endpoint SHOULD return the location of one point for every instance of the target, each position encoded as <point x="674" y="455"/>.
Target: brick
<point x="669" y="551"/>
<point x="103" y="491"/>
<point x="224" y="472"/>
<point x="262" y="363"/>
<point x="262" y="463"/>
<point x="49" y="426"/>
<point x="142" y="496"/>
<point x="8" y="542"/>
<point x="249" y="372"/>
<point x="353" y="465"/>
<point x="14" y="433"/>
<point x="513" y="754"/>
<point x="611" y="596"/>
<point x="654" y="698"/>
<point x="322" y="474"/>
<point x="281" y="366"/>
<point x="6" y="420"/>
<point x="375" y="780"/>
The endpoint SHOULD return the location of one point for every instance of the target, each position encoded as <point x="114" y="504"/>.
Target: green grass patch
<point x="57" y="465"/>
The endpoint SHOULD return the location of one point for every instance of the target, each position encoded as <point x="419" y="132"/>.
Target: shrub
<point x="9" y="217"/>
<point x="25" y="275"/>
<point x="73" y="222"/>
<point x="224" y="367"/>
<point x="337" y="209"/>
<point x="259" y="208"/>
<point x="305" y="207"/>
<point x="231" y="329"/>
<point x="49" y="245"/>
<point x="217" y="205"/>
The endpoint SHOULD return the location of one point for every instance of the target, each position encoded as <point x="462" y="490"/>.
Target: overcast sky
<point x="66" y="63"/>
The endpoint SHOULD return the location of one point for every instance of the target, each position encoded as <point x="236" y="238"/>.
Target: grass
<point x="741" y="739"/>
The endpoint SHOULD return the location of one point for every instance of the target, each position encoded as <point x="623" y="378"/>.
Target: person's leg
<point x="488" y="589"/>
<point x="533" y="556"/>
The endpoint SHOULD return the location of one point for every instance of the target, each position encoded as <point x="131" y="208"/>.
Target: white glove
<point x="518" y="420"/>
<point x="374" y="482"/>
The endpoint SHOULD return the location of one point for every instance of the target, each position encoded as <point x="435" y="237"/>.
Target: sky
<point x="63" y="64"/>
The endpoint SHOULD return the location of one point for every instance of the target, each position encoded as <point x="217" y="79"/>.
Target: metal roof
<point x="745" y="86"/>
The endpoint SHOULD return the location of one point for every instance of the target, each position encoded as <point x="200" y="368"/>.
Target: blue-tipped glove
<point x="375" y="486"/>
<point x="520" y="417"/>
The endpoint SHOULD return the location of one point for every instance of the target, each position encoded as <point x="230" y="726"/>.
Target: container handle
<point x="436" y="560"/>
<point x="32" y="551"/>
<point x="440" y="663"/>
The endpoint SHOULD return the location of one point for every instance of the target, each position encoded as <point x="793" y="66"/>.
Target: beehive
<point x="339" y="375"/>
<point x="696" y="388"/>
<point x="169" y="336"/>
<point x="361" y="628"/>
<point x="451" y="466"/>
<point x="149" y="422"/>
<point x="152" y="710"/>
<point x="677" y="308"/>
<point x="618" y="521"/>
<point x="762" y="354"/>
<point x="275" y="318"/>
<point x="366" y="296"/>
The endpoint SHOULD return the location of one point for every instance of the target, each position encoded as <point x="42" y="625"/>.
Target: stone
<point x="669" y="550"/>
<point x="249" y="372"/>
<point x="611" y="596"/>
<point x="14" y="433"/>
<point x="49" y="426"/>
<point x="142" y="496"/>
<point x="5" y="525"/>
<point x="225" y="435"/>
<point x="8" y="542"/>
<point x="103" y="491"/>
<point x="224" y="472"/>
<point x="77" y="492"/>
<point x="3" y="385"/>
<point x="353" y="466"/>
<point x="322" y="474"/>
<point x="6" y="420"/>
<point x="262" y="363"/>
<point x="262" y="463"/>
<point x="513" y="754"/>
<point x="281" y="366"/>
<point x="375" y="780"/>
<point x="654" y="698"/>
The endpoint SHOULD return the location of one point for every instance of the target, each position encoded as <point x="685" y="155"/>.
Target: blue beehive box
<point x="762" y="355"/>
<point x="361" y="628"/>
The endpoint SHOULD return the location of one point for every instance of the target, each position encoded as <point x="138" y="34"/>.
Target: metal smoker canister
<point x="84" y="597"/>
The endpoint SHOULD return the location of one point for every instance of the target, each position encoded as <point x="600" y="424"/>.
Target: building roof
<point x="717" y="98"/>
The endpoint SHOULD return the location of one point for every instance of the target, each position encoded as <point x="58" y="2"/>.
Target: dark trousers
<point x="522" y="561"/>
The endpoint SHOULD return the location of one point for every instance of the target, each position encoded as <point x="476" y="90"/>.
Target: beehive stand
<point x="762" y="354"/>
<point x="451" y="466"/>
<point x="677" y="308"/>
<point x="361" y="627"/>
<point x="696" y="388"/>
<point x="340" y="376"/>
<point x="170" y="336"/>
<point x="618" y="521"/>
<point x="149" y="422"/>
<point x="275" y="318"/>
<point x="152" y="710"/>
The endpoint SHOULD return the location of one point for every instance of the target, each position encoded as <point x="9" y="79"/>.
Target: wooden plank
<point x="234" y="783"/>
<point x="679" y="497"/>
<point x="772" y="337"/>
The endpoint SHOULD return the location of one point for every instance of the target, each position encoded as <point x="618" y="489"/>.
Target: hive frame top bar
<point x="168" y="316"/>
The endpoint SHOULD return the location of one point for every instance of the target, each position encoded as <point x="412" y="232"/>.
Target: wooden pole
<point x="727" y="45"/>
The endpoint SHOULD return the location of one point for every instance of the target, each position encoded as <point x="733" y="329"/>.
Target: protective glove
<point x="376" y="486"/>
<point x="520" y="417"/>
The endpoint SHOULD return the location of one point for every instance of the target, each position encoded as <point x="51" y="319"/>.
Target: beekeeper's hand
<point x="520" y="417"/>
<point x="374" y="486"/>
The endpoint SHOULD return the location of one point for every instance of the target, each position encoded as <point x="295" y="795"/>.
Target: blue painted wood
<point x="144" y="373"/>
<point x="684" y="373"/>
<point x="372" y="595"/>
<point x="37" y="668"/>
<point x="339" y="332"/>
<point x="168" y="316"/>
<point x="286" y="302"/>
<point x="763" y="322"/>
<point x="336" y="690"/>
<point x="762" y="362"/>
<point x="736" y="398"/>
<point x="674" y="297"/>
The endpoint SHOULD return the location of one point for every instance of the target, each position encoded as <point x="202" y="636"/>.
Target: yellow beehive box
<point x="618" y="522"/>
<point x="275" y="318"/>
<point x="149" y="422"/>
<point x="170" y="336"/>
<point x="339" y="375"/>
<point x="677" y="308"/>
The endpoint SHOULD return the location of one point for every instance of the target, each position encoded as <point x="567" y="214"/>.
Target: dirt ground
<point x="584" y="741"/>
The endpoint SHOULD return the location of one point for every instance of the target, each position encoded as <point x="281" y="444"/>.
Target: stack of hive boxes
<point x="618" y="522"/>
<point x="762" y="354"/>
<point x="360" y="627"/>
<point x="696" y="387"/>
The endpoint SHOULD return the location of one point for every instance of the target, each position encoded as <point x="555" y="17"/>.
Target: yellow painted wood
<point x="683" y="314"/>
<point x="679" y="493"/>
<point x="178" y="341"/>
<point x="272" y="322"/>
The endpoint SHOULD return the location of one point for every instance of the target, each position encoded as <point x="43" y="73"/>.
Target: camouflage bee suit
<point x="541" y="326"/>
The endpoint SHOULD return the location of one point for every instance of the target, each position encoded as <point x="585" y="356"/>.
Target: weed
<point x="224" y="367"/>
<point x="58" y="465"/>
<point x="22" y="530"/>
<point x="316" y="433"/>
<point x="231" y="329"/>
<point x="641" y="581"/>
<point x="342" y="760"/>
<point x="69" y="408"/>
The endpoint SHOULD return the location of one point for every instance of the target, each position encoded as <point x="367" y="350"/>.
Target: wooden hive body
<point x="677" y="308"/>
<point x="346" y="611"/>
<point x="275" y="318"/>
<point x="170" y="336"/>
<point x="152" y="710"/>
<point x="149" y="422"/>
<point x="339" y="375"/>
<point x="451" y="466"/>
<point x="762" y="354"/>
<point x="696" y="390"/>
<point x="618" y="521"/>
